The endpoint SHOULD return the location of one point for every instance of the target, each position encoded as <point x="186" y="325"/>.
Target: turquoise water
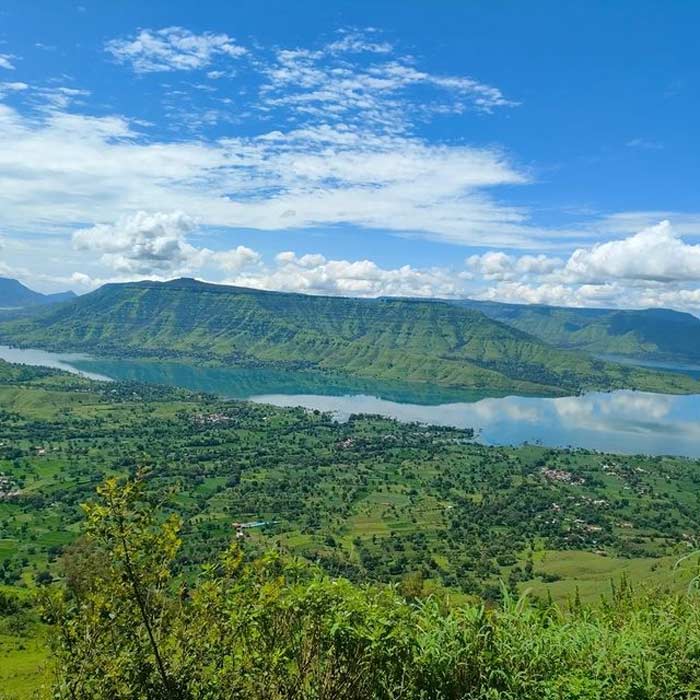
<point x="620" y="421"/>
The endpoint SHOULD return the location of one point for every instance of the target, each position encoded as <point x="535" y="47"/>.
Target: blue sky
<point x="535" y="152"/>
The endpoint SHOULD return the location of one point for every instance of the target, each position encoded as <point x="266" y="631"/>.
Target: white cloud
<point x="236" y="258"/>
<point x="652" y="268"/>
<point x="314" y="274"/>
<point x="359" y="42"/>
<point x="160" y="246"/>
<point x="82" y="280"/>
<point x="59" y="170"/>
<point x="667" y="297"/>
<point x="388" y="95"/>
<point x="497" y="265"/>
<point x="645" y="144"/>
<point x="612" y="294"/>
<point x="152" y="246"/>
<point x="13" y="87"/>
<point x="656" y="253"/>
<point x="630" y="222"/>
<point x="552" y="294"/>
<point x="344" y="152"/>
<point x="353" y="162"/>
<point x="156" y="243"/>
<point x="6" y="61"/>
<point x="142" y="243"/>
<point x="172" y="48"/>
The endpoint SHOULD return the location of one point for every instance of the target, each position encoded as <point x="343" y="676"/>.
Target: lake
<point x="620" y="421"/>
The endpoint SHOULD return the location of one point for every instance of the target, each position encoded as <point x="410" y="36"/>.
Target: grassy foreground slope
<point x="652" y="334"/>
<point x="387" y="339"/>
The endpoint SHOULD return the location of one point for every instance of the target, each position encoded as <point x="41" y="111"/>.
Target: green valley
<point x="371" y="500"/>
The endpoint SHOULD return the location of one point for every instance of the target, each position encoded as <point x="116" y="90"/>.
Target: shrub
<point x="274" y="629"/>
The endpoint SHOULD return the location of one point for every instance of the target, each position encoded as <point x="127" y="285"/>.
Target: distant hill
<point x="388" y="339"/>
<point x="651" y="334"/>
<point x="14" y="295"/>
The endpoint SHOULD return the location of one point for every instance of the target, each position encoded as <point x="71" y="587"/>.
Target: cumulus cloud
<point x="652" y="268"/>
<point x="656" y="254"/>
<point x="142" y="243"/>
<point x="236" y="258"/>
<point x="156" y="244"/>
<point x="171" y="49"/>
<point x="152" y="246"/>
<point x="554" y="294"/>
<point x="610" y="294"/>
<point x="314" y="274"/>
<point x="497" y="265"/>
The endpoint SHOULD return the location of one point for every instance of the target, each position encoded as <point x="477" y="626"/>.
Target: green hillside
<point x="387" y="339"/>
<point x="652" y="334"/>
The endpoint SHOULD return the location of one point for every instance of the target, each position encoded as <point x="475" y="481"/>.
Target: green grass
<point x="653" y="334"/>
<point x="594" y="575"/>
<point x="23" y="662"/>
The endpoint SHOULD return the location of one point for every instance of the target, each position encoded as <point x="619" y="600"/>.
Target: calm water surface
<point x="42" y="358"/>
<point x="621" y="421"/>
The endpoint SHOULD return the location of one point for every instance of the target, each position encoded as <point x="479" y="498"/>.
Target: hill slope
<point x="392" y="339"/>
<point x="652" y="334"/>
<point x="14" y="295"/>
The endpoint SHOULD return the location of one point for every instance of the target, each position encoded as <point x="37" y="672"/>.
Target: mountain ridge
<point x="651" y="334"/>
<point x="15" y="295"/>
<point x="409" y="340"/>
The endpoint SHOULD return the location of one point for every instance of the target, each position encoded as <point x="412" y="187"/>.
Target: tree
<point x="113" y="633"/>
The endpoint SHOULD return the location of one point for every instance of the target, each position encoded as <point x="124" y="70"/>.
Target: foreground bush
<point x="127" y="627"/>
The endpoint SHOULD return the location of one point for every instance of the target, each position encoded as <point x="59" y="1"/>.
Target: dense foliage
<point x="386" y="339"/>
<point x="133" y="627"/>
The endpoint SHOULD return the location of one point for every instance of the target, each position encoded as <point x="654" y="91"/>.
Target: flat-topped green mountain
<point x="391" y="339"/>
<point x="652" y="334"/>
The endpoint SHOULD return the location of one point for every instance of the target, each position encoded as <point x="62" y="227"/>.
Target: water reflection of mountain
<point x="241" y="383"/>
